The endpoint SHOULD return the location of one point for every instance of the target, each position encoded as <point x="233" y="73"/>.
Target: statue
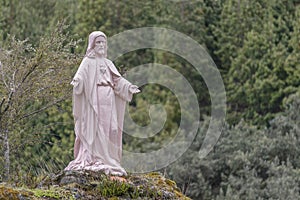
<point x="100" y="94"/>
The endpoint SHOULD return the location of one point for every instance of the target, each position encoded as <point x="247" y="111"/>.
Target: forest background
<point x="255" y="45"/>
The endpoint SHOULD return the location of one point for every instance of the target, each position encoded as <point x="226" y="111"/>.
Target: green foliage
<point x="114" y="189"/>
<point x="237" y="18"/>
<point x="247" y="162"/>
<point x="255" y="54"/>
<point x="12" y="194"/>
<point x="54" y="193"/>
<point x="254" y="44"/>
<point x="49" y="147"/>
<point x="25" y="19"/>
<point x="95" y="185"/>
<point x="33" y="80"/>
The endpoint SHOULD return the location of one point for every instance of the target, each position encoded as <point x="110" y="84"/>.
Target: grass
<point x="91" y="185"/>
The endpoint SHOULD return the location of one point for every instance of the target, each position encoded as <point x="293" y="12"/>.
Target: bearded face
<point x="100" y="46"/>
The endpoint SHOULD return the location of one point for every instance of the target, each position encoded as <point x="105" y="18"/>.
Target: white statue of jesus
<point x="99" y="98"/>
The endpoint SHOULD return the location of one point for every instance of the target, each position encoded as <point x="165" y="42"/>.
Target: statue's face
<point x="100" y="45"/>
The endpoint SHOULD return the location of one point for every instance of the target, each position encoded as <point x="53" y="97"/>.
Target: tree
<point x="260" y="77"/>
<point x="32" y="80"/>
<point x="236" y="20"/>
<point x="247" y="162"/>
<point x="26" y="19"/>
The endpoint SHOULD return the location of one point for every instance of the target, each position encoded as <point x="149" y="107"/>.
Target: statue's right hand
<point x="74" y="82"/>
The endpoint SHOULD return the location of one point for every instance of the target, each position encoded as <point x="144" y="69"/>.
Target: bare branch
<point x="33" y="67"/>
<point x="2" y="73"/>
<point x="8" y="102"/>
<point x="41" y="109"/>
<point x="1" y="104"/>
<point x="13" y="80"/>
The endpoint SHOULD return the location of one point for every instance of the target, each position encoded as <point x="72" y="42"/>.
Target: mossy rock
<point x="7" y="192"/>
<point x="97" y="185"/>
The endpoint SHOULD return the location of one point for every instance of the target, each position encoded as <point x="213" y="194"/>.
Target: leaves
<point x="32" y="81"/>
<point x="254" y="44"/>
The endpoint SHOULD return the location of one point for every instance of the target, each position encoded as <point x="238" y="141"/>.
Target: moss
<point x="109" y="188"/>
<point x="7" y="192"/>
<point x="154" y="185"/>
<point x="46" y="193"/>
<point x="95" y="185"/>
<point x="171" y="183"/>
<point x="153" y="174"/>
<point x="53" y="193"/>
<point x="113" y="198"/>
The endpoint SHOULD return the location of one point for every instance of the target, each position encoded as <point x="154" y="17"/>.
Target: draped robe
<point x="99" y="114"/>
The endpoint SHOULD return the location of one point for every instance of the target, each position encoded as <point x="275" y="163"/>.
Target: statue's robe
<point x="98" y="109"/>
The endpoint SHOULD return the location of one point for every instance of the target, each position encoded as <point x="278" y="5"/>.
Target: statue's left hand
<point x="134" y="89"/>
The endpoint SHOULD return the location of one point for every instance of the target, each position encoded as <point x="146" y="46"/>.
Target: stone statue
<point x="100" y="94"/>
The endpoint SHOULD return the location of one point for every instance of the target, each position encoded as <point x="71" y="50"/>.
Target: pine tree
<point x="259" y="79"/>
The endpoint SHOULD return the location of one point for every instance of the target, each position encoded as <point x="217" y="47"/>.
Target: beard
<point x="100" y="51"/>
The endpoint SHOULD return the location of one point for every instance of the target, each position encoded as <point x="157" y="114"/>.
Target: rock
<point x="97" y="185"/>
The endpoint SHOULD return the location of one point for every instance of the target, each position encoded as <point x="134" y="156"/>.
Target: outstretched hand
<point x="74" y="82"/>
<point x="134" y="89"/>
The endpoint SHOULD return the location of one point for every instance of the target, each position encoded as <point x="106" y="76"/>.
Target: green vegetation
<point x="255" y="45"/>
<point x="93" y="185"/>
<point x="247" y="162"/>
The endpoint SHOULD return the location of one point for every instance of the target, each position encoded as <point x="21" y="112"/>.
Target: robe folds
<point x="98" y="111"/>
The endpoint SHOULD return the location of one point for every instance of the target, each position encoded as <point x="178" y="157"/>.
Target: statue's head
<point x="97" y="45"/>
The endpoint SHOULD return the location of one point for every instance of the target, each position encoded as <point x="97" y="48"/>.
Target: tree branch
<point x="9" y="101"/>
<point x="1" y="104"/>
<point x="41" y="109"/>
<point x="30" y="71"/>
<point x="3" y="77"/>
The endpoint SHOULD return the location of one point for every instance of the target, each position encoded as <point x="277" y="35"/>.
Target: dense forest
<point x="254" y="44"/>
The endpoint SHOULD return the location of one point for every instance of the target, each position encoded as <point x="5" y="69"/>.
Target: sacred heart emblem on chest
<point x="102" y="69"/>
